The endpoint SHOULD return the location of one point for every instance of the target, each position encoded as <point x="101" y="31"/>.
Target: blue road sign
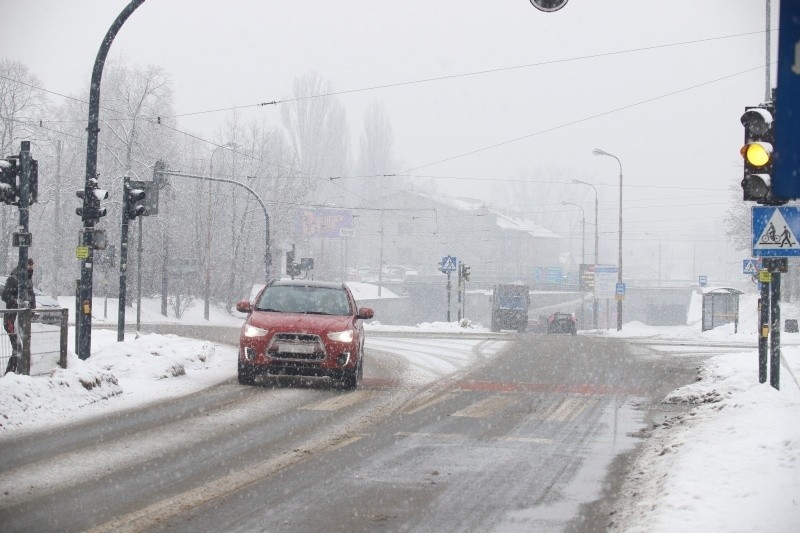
<point x="786" y="181"/>
<point x="749" y="266"/>
<point x="555" y="275"/>
<point x="702" y="280"/>
<point x="448" y="264"/>
<point x="775" y="231"/>
<point x="620" y="288"/>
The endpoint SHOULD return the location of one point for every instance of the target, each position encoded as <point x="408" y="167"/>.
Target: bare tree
<point x="375" y="156"/>
<point x="319" y="137"/>
<point x="22" y="104"/>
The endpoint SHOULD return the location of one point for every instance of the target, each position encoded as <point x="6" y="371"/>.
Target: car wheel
<point x="361" y="364"/>
<point x="246" y="374"/>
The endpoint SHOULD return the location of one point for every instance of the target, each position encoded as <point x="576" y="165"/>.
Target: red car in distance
<point x="303" y="328"/>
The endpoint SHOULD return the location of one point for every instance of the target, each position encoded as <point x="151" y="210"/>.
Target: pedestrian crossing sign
<point x="750" y="266"/>
<point x="448" y="264"/>
<point x="775" y="231"/>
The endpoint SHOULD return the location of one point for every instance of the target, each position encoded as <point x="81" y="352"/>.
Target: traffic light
<point x="9" y="190"/>
<point x="133" y="200"/>
<point x="465" y="272"/>
<point x="91" y="203"/>
<point x="290" y="263"/>
<point x="759" y="138"/>
<point x="34" y="182"/>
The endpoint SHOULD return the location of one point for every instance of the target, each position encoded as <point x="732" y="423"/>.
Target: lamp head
<point x="598" y="151"/>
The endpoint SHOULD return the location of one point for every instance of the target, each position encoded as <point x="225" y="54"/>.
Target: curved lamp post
<point x="596" y="244"/>
<point x="659" y="255"/>
<point x="83" y="317"/>
<point x="583" y="229"/>
<point x="583" y="248"/>
<point x="206" y="304"/>
<point x="597" y="151"/>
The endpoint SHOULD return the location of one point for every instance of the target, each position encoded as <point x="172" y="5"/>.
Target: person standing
<point x="10" y="324"/>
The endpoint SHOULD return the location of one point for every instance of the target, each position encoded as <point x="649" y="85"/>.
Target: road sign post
<point x="448" y="264"/>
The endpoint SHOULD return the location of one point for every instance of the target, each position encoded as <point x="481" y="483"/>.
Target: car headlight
<point x="252" y="331"/>
<point x="342" y="336"/>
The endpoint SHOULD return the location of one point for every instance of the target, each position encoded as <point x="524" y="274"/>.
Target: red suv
<point x="303" y="328"/>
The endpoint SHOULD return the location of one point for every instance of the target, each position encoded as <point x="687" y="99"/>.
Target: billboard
<point x="605" y="281"/>
<point x="325" y="223"/>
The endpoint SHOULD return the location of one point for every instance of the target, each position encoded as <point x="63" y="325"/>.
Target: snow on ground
<point x="732" y="463"/>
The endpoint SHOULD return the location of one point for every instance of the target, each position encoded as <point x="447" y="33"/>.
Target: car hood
<point x="296" y="322"/>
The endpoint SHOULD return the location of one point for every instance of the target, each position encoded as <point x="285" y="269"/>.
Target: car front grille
<point x="299" y="346"/>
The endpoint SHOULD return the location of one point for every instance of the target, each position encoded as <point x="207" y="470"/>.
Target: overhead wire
<point x="474" y="73"/>
<point x="581" y="120"/>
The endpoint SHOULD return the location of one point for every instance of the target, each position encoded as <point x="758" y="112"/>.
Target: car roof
<point x="306" y="283"/>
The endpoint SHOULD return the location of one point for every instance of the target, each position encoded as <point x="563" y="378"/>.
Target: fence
<point x="42" y="334"/>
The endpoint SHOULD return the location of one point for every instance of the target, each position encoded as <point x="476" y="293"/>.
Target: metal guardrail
<point x="43" y="336"/>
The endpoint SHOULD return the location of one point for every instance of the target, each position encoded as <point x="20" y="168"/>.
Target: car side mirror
<point x="365" y="313"/>
<point x="244" y="306"/>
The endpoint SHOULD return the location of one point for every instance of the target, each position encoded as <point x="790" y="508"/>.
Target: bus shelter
<point x="721" y="306"/>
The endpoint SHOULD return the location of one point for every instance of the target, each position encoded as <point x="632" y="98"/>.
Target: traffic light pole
<point x="22" y="265"/>
<point x="123" y="262"/>
<point x="83" y="314"/>
<point x="775" y="331"/>
<point x="458" y="294"/>
<point x="267" y="255"/>
<point x="763" y="331"/>
<point x="448" y="296"/>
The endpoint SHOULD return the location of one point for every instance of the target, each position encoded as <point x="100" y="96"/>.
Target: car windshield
<point x="303" y="299"/>
<point x="513" y="302"/>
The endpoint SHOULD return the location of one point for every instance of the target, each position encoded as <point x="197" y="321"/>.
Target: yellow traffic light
<point x="757" y="154"/>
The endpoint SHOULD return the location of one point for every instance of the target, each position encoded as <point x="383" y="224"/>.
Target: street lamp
<point x="583" y="230"/>
<point x="596" y="244"/>
<point x="206" y="305"/>
<point x="597" y="151"/>
<point x="583" y="249"/>
<point x="659" y="255"/>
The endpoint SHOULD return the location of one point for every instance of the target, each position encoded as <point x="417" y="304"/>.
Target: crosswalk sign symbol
<point x="775" y="231"/>
<point x="750" y="266"/>
<point x="448" y="264"/>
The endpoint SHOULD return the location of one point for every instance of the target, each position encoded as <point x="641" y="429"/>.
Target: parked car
<point x="562" y="323"/>
<point x="303" y="328"/>
<point x="43" y="301"/>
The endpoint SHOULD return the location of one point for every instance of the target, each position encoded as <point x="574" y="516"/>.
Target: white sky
<point x="243" y="52"/>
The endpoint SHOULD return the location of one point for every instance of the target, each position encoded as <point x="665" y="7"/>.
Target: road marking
<point x="340" y="401"/>
<point x="462" y="436"/>
<point x="488" y="406"/>
<point x="157" y="513"/>
<point x="565" y="411"/>
<point x="516" y="386"/>
<point x="427" y="400"/>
